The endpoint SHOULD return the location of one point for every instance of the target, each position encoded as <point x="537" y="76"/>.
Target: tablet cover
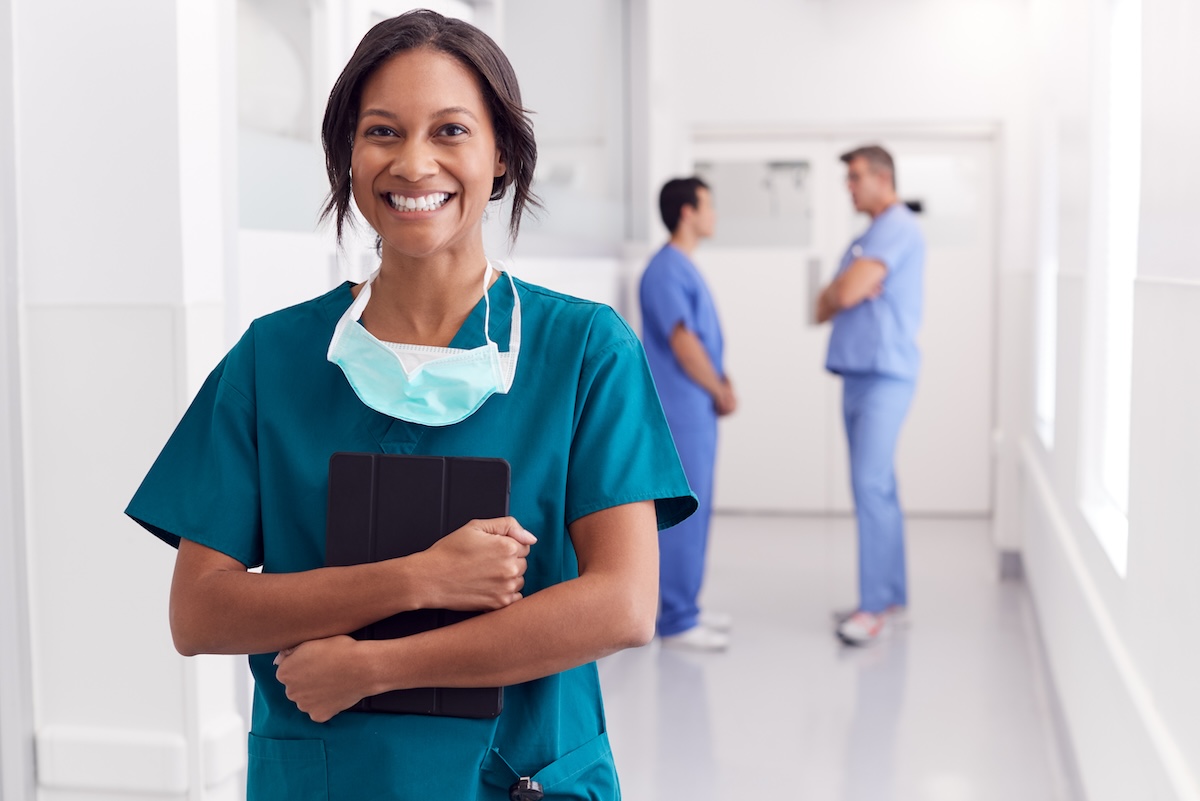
<point x="383" y="506"/>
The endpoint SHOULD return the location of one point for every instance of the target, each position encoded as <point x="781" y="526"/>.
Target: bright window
<point x="1107" y="501"/>
<point x="1047" y="282"/>
<point x="1124" y="193"/>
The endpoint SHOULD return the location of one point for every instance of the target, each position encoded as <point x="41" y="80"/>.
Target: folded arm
<point x="218" y="607"/>
<point x="862" y="280"/>
<point x="609" y="607"/>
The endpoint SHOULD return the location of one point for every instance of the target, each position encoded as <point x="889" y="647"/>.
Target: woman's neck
<point x="424" y="300"/>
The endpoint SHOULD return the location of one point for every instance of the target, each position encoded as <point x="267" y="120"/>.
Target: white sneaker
<point x="863" y="628"/>
<point x="897" y="615"/>
<point x="717" y="621"/>
<point x="697" y="638"/>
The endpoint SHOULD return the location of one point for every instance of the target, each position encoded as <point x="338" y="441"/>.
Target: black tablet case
<point x="382" y="506"/>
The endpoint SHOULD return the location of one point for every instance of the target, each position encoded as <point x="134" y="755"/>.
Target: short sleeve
<point x="204" y="484"/>
<point x="666" y="299"/>
<point x="621" y="449"/>
<point x="888" y="241"/>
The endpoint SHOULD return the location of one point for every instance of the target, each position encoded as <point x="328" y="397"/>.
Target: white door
<point x="775" y="246"/>
<point x="770" y="239"/>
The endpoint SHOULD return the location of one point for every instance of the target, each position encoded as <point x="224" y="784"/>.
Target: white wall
<point x="851" y="64"/>
<point x="123" y="226"/>
<point x="1125" y="677"/>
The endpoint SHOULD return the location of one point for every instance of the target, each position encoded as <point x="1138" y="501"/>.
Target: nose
<point x="413" y="160"/>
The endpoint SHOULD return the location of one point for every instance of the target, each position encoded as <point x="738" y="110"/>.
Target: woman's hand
<point x="324" y="677"/>
<point x="479" y="567"/>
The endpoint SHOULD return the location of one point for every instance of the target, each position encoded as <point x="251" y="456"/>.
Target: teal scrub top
<point x="245" y="473"/>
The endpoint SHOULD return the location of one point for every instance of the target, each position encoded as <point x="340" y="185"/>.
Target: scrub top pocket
<point x="585" y="774"/>
<point x="286" y="770"/>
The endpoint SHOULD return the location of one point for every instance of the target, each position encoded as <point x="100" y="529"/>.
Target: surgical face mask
<point x="419" y="383"/>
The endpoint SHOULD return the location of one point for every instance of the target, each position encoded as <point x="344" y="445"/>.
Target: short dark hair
<point x="475" y="50"/>
<point x="677" y="193"/>
<point x="879" y="159"/>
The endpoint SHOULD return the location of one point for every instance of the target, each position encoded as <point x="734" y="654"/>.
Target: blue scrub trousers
<point x="682" y="548"/>
<point x="874" y="408"/>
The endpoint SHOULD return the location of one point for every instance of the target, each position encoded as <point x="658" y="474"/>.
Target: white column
<point x="16" y="711"/>
<point x="123" y="132"/>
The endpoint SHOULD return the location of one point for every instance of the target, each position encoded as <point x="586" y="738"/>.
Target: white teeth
<point x="423" y="203"/>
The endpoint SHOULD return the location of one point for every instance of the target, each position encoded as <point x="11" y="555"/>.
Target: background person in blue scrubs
<point x="684" y="346"/>
<point x="423" y="129"/>
<point x="875" y="302"/>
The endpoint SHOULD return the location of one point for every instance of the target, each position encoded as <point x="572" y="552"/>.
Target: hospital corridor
<point x="953" y="706"/>
<point x="667" y="400"/>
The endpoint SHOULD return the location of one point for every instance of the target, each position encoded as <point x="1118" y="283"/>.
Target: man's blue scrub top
<point x="879" y="336"/>
<point x="674" y="292"/>
<point x="245" y="473"/>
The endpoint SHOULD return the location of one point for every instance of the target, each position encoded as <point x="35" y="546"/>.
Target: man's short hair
<point x="677" y="193"/>
<point x="879" y="159"/>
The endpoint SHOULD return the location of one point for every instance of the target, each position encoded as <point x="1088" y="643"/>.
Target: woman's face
<point x="424" y="154"/>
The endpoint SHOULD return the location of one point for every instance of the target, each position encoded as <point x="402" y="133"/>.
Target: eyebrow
<point x="448" y="111"/>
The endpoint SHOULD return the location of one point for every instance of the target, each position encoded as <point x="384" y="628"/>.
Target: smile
<point x="428" y="202"/>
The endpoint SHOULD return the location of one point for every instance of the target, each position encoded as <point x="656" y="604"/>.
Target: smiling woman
<point x="423" y="130"/>
<point x="496" y="93"/>
<point x="423" y="172"/>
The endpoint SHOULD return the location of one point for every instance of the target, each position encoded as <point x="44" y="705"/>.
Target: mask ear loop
<point x="353" y="314"/>
<point x="514" y="336"/>
<point x="487" y="306"/>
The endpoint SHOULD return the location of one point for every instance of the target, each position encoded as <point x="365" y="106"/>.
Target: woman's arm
<point x="218" y="607"/>
<point x="611" y="606"/>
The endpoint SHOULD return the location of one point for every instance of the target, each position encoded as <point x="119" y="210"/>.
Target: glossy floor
<point x="953" y="708"/>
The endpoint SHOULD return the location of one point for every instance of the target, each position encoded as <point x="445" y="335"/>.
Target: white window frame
<point x="1113" y="269"/>
<point x="1047" y="282"/>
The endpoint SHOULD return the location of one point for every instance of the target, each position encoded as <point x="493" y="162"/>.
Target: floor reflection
<point x="870" y="759"/>
<point x="687" y="769"/>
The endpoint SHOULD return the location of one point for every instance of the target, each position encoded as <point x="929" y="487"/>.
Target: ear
<point x="500" y="167"/>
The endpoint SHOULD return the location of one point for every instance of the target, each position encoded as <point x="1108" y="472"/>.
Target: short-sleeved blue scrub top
<point x="673" y="292"/>
<point x="245" y="473"/>
<point x="879" y="336"/>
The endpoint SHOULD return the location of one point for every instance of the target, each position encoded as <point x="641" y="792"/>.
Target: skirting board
<point x="124" y="761"/>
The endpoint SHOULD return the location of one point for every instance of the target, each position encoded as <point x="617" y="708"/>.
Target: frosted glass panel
<point x="574" y="83"/>
<point x="281" y="168"/>
<point x="761" y="203"/>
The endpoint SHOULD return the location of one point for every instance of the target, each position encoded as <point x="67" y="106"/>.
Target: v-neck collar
<point x="400" y="436"/>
